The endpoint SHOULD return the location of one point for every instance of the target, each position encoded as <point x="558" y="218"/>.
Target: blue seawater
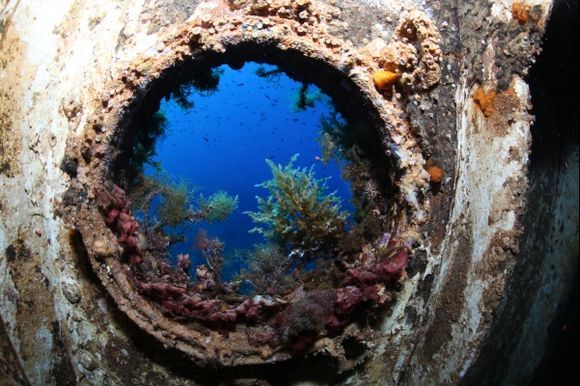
<point x="223" y="141"/>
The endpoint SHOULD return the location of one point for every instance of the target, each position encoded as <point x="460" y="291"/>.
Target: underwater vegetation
<point x="177" y="203"/>
<point x="209" y="275"/>
<point x="204" y="81"/>
<point x="143" y="151"/>
<point x="268" y="270"/>
<point x="303" y="99"/>
<point x="317" y="266"/>
<point x="298" y="214"/>
<point x="293" y="321"/>
<point x="167" y="207"/>
<point x="336" y="139"/>
<point x="217" y="207"/>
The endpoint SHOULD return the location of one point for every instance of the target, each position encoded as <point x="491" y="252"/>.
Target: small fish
<point x="240" y="84"/>
<point x="206" y="139"/>
<point x="317" y="158"/>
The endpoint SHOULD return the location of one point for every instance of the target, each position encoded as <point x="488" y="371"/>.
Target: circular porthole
<point x="320" y="275"/>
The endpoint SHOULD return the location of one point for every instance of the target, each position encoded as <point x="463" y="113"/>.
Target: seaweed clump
<point x="299" y="214"/>
<point x="217" y="207"/>
<point x="162" y="205"/>
<point x="177" y="204"/>
<point x="143" y="150"/>
<point x="301" y="323"/>
<point x="204" y="81"/>
<point x="269" y="270"/>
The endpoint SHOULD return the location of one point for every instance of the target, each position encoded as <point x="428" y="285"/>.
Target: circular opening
<point x="324" y="261"/>
<point x="299" y="239"/>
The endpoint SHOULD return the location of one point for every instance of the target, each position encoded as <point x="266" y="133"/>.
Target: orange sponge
<point x="520" y="12"/>
<point x="384" y="79"/>
<point x="436" y="173"/>
<point x="484" y="99"/>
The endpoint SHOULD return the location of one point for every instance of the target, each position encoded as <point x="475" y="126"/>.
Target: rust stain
<point x="507" y="109"/>
<point x="11" y="89"/>
<point x="35" y="314"/>
<point x="500" y="108"/>
<point x="451" y="301"/>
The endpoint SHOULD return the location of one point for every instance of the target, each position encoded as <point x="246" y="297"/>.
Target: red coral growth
<point x="385" y="266"/>
<point x="317" y="313"/>
<point x="364" y="280"/>
<point x="258" y="337"/>
<point x="202" y="307"/>
<point x="393" y="265"/>
<point x="384" y="272"/>
<point x="296" y="322"/>
<point x="180" y="300"/>
<point x="248" y="310"/>
<point x="184" y="301"/>
<point x="347" y="299"/>
<point x="175" y="307"/>
<point x="334" y="324"/>
<point x="118" y="216"/>
<point x="160" y="290"/>
<point x="359" y="276"/>
<point x="109" y="200"/>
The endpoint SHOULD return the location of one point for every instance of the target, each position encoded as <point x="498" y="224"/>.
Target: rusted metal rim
<point x="253" y="37"/>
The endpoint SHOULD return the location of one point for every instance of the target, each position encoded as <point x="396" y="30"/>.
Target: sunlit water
<point x="222" y="142"/>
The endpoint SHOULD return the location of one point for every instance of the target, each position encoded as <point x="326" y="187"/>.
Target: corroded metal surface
<point x="293" y="32"/>
<point x="62" y="66"/>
